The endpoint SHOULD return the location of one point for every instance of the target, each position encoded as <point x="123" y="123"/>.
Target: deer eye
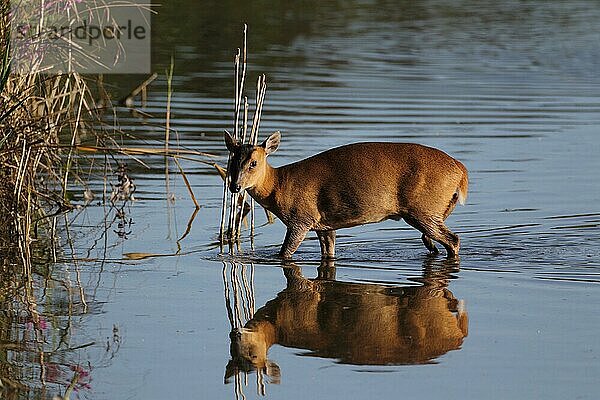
<point x="252" y="164"/>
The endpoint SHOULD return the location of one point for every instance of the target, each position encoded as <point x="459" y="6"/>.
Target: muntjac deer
<point x="353" y="185"/>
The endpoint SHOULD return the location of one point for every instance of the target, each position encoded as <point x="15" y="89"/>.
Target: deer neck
<point x="264" y="191"/>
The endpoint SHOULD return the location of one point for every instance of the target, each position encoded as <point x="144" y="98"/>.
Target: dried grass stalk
<point x="233" y="206"/>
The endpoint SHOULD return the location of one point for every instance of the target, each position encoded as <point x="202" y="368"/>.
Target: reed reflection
<point x="353" y="323"/>
<point x="44" y="312"/>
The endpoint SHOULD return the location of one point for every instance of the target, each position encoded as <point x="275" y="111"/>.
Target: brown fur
<point x="353" y="185"/>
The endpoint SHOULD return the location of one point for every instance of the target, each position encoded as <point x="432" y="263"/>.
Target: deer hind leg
<point x="327" y="241"/>
<point x="429" y="244"/>
<point x="293" y="237"/>
<point x="434" y="228"/>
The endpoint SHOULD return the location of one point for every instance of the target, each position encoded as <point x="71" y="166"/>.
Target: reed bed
<point x="36" y="110"/>
<point x="50" y="126"/>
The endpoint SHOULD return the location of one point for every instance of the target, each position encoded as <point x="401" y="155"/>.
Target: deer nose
<point x="235" y="187"/>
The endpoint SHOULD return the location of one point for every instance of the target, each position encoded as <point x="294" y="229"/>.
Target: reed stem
<point x="233" y="205"/>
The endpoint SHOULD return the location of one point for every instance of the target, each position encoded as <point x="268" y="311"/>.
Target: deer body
<point x="353" y="185"/>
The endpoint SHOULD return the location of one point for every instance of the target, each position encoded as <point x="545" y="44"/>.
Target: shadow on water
<point x="352" y="323"/>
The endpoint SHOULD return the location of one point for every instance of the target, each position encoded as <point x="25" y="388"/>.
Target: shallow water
<point x="510" y="89"/>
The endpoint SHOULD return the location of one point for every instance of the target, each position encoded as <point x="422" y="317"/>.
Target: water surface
<point x="510" y="89"/>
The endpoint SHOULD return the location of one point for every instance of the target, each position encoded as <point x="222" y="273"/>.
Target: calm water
<point x="510" y="89"/>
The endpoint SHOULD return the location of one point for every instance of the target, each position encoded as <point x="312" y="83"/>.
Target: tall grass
<point x="36" y="110"/>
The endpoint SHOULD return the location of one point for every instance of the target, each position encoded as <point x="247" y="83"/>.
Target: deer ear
<point x="231" y="143"/>
<point x="271" y="143"/>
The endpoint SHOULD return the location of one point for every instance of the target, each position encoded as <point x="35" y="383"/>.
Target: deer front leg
<point x="293" y="237"/>
<point x="327" y="241"/>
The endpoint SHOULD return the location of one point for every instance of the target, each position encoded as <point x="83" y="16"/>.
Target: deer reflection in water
<point x="354" y="323"/>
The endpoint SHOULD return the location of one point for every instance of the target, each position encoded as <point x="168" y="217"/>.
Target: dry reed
<point x="233" y="206"/>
